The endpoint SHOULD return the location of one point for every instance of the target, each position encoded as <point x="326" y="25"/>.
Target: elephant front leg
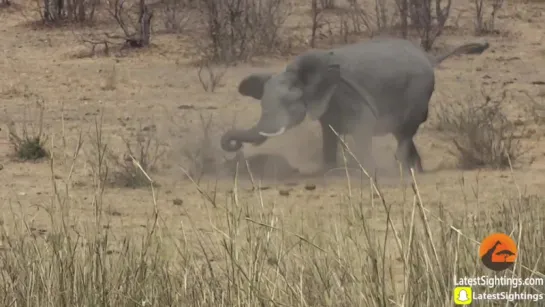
<point x="329" y="146"/>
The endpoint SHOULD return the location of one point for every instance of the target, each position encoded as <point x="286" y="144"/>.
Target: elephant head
<point x="306" y="86"/>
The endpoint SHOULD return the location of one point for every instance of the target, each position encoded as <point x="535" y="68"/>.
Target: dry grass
<point x="72" y="234"/>
<point x="253" y="256"/>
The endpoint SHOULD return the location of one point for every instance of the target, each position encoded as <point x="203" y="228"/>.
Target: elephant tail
<point x="470" y="48"/>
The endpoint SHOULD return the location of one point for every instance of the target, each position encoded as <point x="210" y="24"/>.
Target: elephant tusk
<point x="277" y="133"/>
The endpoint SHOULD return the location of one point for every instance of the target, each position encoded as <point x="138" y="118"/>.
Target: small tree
<point x="327" y="4"/>
<point x="485" y="25"/>
<point x="360" y="18"/>
<point x="137" y="33"/>
<point x="175" y="14"/>
<point x="428" y="18"/>
<point x="240" y="29"/>
<point x="403" y="8"/>
<point x="133" y="20"/>
<point x="315" y="15"/>
<point x="79" y="11"/>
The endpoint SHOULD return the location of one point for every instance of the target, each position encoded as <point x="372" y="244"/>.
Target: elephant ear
<point x="253" y="85"/>
<point x="320" y="78"/>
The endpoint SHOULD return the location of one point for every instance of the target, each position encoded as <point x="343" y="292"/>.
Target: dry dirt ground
<point x="156" y="86"/>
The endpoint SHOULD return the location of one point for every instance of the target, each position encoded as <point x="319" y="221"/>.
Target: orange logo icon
<point x="498" y="252"/>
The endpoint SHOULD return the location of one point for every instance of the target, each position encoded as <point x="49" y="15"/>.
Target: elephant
<point x="374" y="88"/>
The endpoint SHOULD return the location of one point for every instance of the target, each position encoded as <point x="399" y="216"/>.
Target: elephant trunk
<point x="232" y="140"/>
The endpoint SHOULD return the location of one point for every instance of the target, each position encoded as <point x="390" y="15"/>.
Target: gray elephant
<point x="367" y="89"/>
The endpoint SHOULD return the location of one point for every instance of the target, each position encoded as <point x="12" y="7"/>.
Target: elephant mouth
<point x="273" y="134"/>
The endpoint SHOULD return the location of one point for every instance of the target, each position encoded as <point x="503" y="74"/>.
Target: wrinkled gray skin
<point x="367" y="89"/>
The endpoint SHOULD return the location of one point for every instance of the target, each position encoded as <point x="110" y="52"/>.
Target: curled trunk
<point x="232" y="140"/>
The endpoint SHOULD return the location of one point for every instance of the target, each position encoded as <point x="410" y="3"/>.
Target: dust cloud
<point x="298" y="155"/>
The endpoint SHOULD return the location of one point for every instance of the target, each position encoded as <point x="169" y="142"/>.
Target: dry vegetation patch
<point x="482" y="133"/>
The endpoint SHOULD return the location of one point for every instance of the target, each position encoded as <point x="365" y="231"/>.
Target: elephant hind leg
<point x="406" y="152"/>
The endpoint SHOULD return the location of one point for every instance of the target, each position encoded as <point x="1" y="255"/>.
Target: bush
<point x="482" y="135"/>
<point x="79" y="11"/>
<point x="428" y="17"/>
<point x="131" y="168"/>
<point x="424" y="19"/>
<point x="485" y="23"/>
<point x="240" y="29"/>
<point x="29" y="143"/>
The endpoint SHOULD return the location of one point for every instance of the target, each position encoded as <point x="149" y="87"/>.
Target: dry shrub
<point x="328" y="4"/>
<point x="385" y="16"/>
<point x="237" y="30"/>
<point x="359" y="18"/>
<point x="315" y="15"/>
<point x="535" y="107"/>
<point x="485" y="16"/>
<point x="482" y="134"/>
<point x="29" y="141"/>
<point x="176" y="15"/>
<point x="210" y="75"/>
<point x="133" y="19"/>
<point x="61" y="11"/>
<point x="195" y="151"/>
<point x="428" y="18"/>
<point x="200" y="153"/>
<point x="423" y="19"/>
<point x="142" y="156"/>
<point x="353" y="19"/>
